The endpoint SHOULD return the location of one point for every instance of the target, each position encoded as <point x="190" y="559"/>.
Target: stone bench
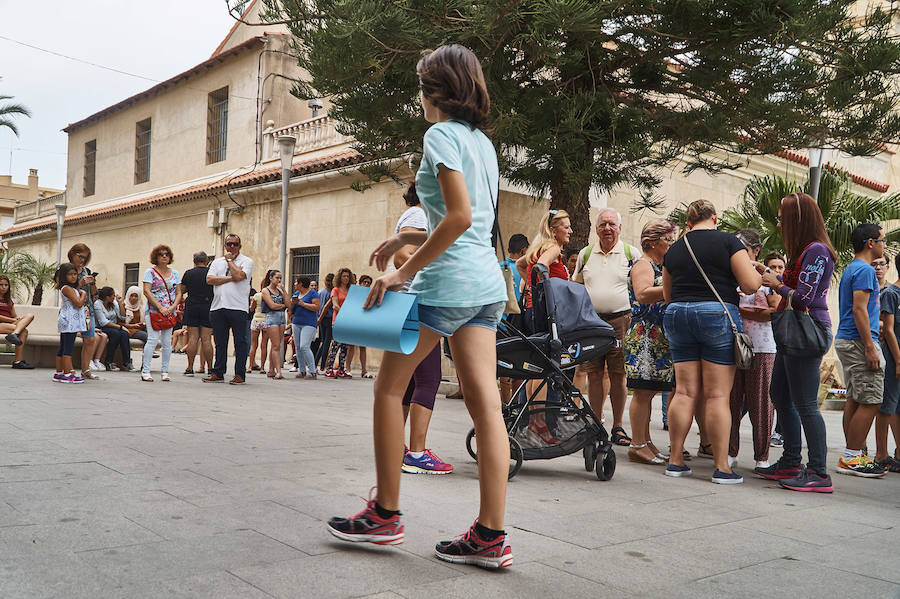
<point x="43" y="337"/>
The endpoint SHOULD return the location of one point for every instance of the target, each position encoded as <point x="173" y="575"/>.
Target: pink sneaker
<point x="470" y="548"/>
<point x="368" y="527"/>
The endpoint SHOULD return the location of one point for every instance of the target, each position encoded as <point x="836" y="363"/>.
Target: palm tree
<point x="39" y="275"/>
<point x="7" y="111"/>
<point x="841" y="208"/>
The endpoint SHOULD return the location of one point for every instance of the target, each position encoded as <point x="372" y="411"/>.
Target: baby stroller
<point x="568" y="333"/>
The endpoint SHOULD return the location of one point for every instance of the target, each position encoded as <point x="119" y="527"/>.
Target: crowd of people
<point x="679" y="304"/>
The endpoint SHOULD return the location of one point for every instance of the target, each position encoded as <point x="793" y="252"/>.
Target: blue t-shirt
<point x="448" y="280"/>
<point x="858" y="276"/>
<point x="324" y="296"/>
<point x="517" y="278"/>
<point x="302" y="316"/>
<point x="890" y="304"/>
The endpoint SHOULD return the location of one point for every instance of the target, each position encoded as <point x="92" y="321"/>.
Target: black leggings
<point x="118" y="339"/>
<point x="66" y="344"/>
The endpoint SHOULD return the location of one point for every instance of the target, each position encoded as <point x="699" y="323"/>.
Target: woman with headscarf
<point x="134" y="313"/>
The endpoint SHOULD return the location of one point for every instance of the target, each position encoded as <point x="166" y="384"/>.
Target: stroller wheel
<point x="471" y="446"/>
<point x="590" y="455"/>
<point x="606" y="467"/>
<point x="515" y="457"/>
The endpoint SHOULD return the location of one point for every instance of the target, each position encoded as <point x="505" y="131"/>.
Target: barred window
<point x="90" y="167"/>
<point x="142" y="152"/>
<point x="216" y="125"/>
<point x="305" y="262"/>
<point x="132" y="276"/>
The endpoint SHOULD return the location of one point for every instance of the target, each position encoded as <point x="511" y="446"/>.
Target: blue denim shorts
<point x="275" y="319"/>
<point x="891" y="403"/>
<point x="701" y="331"/>
<point x="447" y="321"/>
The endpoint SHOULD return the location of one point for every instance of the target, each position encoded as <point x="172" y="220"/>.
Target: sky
<point x="157" y="40"/>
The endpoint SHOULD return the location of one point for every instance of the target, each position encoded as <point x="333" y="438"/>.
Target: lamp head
<point x="286" y="144"/>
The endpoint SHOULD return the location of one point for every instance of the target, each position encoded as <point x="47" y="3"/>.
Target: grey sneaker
<point x="14" y="339"/>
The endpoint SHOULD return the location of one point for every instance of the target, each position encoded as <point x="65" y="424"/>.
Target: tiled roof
<point x="859" y="180"/>
<point x="336" y="160"/>
<point x="159" y="87"/>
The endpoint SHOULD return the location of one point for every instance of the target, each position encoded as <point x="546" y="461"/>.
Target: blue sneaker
<point x="427" y="464"/>
<point x="727" y="478"/>
<point x="676" y="471"/>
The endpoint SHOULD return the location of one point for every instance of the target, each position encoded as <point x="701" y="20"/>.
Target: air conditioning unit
<point x="211" y="219"/>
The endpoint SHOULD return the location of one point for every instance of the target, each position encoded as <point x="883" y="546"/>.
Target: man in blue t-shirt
<point x="856" y="344"/>
<point x="888" y="417"/>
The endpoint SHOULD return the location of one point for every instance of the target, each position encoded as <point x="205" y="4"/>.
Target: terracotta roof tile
<point x="859" y="180"/>
<point x="336" y="160"/>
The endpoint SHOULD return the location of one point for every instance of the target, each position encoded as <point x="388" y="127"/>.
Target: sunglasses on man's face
<point x="233" y="244"/>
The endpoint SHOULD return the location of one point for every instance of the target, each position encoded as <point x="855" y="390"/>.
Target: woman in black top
<point x="700" y="334"/>
<point x="196" y="314"/>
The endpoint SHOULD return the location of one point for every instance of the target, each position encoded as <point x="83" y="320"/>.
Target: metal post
<point x="815" y="171"/>
<point x="286" y="145"/>
<point x="60" y="219"/>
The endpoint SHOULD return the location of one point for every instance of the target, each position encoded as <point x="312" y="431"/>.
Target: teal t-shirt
<point x="467" y="273"/>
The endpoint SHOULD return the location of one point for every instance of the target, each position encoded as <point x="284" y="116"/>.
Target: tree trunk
<point x="574" y="198"/>
<point x="38" y="296"/>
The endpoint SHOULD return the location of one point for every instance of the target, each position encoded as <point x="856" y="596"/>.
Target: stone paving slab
<point x="113" y="489"/>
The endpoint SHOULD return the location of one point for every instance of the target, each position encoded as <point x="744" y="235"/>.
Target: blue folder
<point x="392" y="326"/>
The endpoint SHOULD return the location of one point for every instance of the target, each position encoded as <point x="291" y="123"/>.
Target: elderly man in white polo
<point x="603" y="268"/>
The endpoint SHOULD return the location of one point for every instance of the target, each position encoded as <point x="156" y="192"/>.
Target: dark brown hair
<point x="8" y="295"/>
<point x="410" y="196"/>
<point x="154" y="254"/>
<point x="339" y="277"/>
<point x="79" y="248"/>
<point x="59" y="277"/>
<point x="802" y="224"/>
<point x="451" y="78"/>
<point x="774" y="256"/>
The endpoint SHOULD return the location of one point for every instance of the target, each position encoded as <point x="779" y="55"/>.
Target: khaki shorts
<point x="614" y="360"/>
<point x="863" y="385"/>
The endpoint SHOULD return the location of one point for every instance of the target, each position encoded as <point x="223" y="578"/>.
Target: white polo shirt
<point x="234" y="295"/>
<point x="605" y="275"/>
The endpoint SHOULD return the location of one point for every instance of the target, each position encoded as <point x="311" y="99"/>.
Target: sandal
<point x="705" y="451"/>
<point x="165" y="377"/>
<point x="619" y="437"/>
<point x="634" y="456"/>
<point x="890" y="464"/>
<point x="368" y="375"/>
<point x="145" y="377"/>
<point x="277" y="377"/>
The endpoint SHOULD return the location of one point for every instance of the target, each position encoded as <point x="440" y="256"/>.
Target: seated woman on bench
<point x="13" y="326"/>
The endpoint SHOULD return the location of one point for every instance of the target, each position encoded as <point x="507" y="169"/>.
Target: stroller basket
<point x="529" y="359"/>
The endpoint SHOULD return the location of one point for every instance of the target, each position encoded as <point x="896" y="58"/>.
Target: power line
<point x="104" y="67"/>
<point x="87" y="62"/>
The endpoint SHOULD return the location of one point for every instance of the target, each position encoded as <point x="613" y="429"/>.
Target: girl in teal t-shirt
<point x="461" y="295"/>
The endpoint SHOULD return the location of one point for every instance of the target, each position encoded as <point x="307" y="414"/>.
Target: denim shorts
<point x="275" y="319"/>
<point x="447" y="321"/>
<point x="701" y="331"/>
<point x="891" y="403"/>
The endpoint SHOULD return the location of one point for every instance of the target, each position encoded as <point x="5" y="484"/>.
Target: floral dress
<point x="648" y="361"/>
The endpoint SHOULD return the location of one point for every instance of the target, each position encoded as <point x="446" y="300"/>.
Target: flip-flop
<point x="619" y="437"/>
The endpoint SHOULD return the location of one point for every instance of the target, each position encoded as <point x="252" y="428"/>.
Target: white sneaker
<point x="763" y="464"/>
<point x="293" y="369"/>
<point x="97" y="366"/>
<point x="732" y="462"/>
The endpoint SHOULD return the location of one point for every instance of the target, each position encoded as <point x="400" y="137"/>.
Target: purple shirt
<point x="816" y="267"/>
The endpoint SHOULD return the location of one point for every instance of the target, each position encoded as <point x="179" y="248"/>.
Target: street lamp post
<point x="815" y="171"/>
<point x="60" y="219"/>
<point x="286" y="145"/>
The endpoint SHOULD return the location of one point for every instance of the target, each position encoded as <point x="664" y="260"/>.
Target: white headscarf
<point x="134" y="307"/>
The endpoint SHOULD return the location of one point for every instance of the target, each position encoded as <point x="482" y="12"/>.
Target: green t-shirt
<point x="467" y="273"/>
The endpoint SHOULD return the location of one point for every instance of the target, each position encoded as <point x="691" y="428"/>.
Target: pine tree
<point x="602" y="93"/>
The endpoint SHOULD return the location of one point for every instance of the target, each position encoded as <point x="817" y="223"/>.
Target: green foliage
<point x="8" y="112"/>
<point x="587" y="93"/>
<point x="841" y="208"/>
<point x="26" y="274"/>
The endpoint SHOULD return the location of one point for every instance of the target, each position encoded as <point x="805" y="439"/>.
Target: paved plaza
<point x="118" y="488"/>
